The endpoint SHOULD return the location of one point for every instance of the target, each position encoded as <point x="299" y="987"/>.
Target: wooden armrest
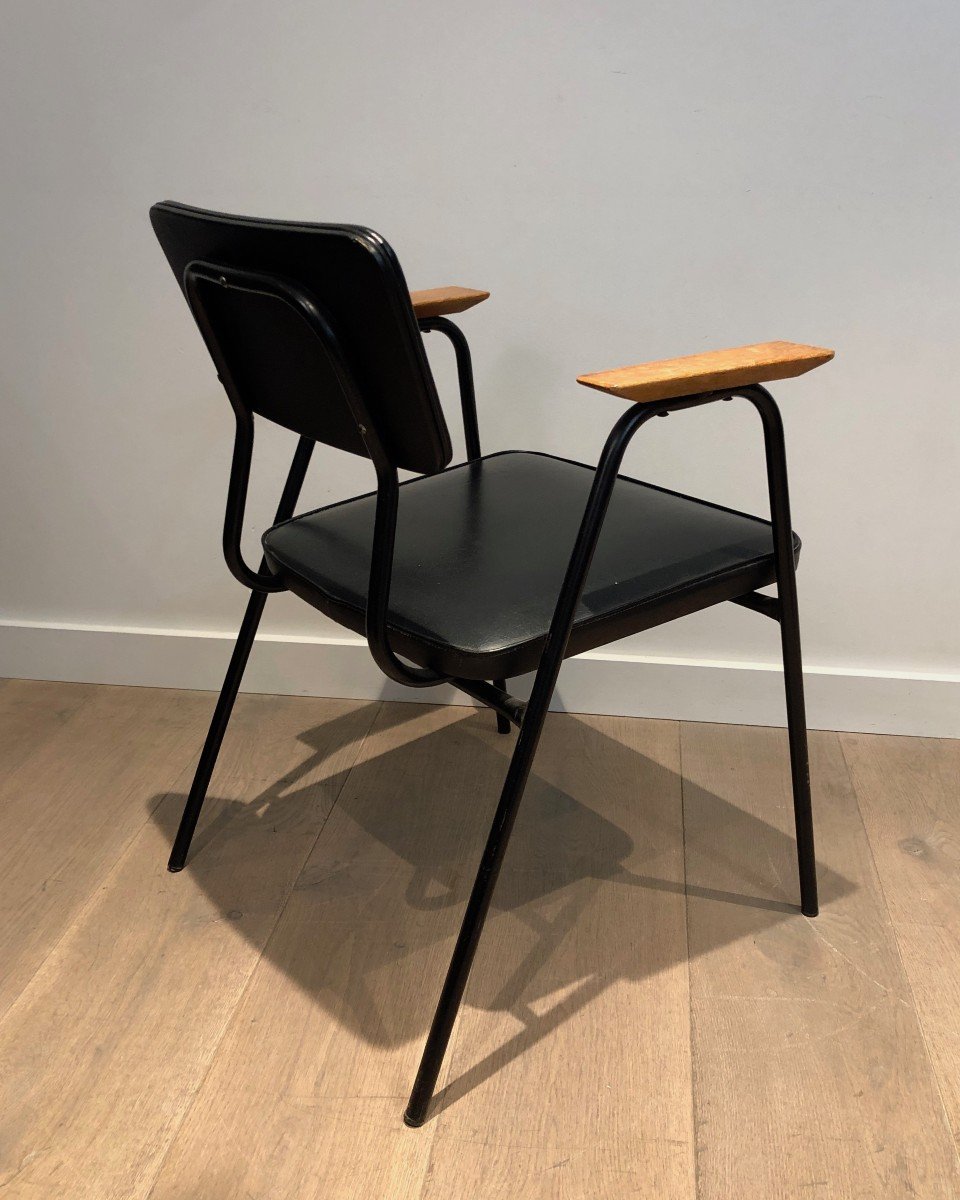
<point x="713" y="371"/>
<point x="439" y="302"/>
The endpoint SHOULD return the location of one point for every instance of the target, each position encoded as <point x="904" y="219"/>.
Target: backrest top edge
<point x="362" y="233"/>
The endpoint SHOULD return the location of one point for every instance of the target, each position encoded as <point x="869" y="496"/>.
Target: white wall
<point x="630" y="181"/>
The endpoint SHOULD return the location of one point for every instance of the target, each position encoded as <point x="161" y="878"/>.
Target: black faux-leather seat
<point x="468" y="574"/>
<point x="504" y="526"/>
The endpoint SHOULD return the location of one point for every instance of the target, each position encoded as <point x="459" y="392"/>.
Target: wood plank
<point x="104" y="1050"/>
<point x="31" y="712"/>
<point x="909" y="795"/>
<point x="811" y="1076"/>
<point x="444" y="301"/>
<point x="68" y="811"/>
<point x="153" y="1029"/>
<point x="712" y="371"/>
<point x="307" y="1092"/>
<point x="570" y="1072"/>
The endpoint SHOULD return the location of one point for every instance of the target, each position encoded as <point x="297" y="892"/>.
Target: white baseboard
<point x="900" y="702"/>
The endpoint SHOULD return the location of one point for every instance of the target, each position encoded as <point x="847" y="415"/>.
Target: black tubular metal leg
<point x="238" y="659"/>
<point x="503" y="725"/>
<point x="799" y="758"/>
<point x="218" y="727"/>
<point x="784" y="560"/>
<point x="521" y="762"/>
<point x="477" y="908"/>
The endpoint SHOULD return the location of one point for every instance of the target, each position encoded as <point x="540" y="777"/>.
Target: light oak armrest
<point x="713" y="371"/>
<point x="440" y="302"/>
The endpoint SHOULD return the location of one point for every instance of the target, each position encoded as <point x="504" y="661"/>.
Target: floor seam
<point x="686" y="927"/>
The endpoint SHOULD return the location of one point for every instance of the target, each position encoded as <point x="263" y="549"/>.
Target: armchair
<point x="503" y="565"/>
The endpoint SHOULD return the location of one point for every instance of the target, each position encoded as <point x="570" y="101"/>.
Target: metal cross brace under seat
<point x="494" y="697"/>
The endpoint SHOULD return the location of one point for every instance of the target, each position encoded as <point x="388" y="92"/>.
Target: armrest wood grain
<point x="440" y="302"/>
<point x="713" y="371"/>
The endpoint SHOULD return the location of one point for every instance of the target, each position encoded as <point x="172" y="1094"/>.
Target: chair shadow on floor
<point x="378" y="904"/>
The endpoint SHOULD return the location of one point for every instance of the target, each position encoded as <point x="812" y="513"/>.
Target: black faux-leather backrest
<point x="275" y="362"/>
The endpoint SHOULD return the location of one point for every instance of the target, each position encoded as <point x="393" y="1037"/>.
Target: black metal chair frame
<point x="527" y="716"/>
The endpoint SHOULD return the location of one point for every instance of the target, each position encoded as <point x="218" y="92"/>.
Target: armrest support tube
<point x="468" y="400"/>
<point x="599" y="499"/>
<point x="581" y="558"/>
<point x="783" y="551"/>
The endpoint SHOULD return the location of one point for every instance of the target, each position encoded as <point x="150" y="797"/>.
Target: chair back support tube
<point x="195" y="275"/>
<point x="381" y="569"/>
<point x="263" y="579"/>
<point x="385" y="522"/>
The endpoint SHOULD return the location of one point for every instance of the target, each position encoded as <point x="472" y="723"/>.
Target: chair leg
<point x="218" y="727"/>
<point x="503" y="725"/>
<point x="784" y="555"/>
<point x="799" y="759"/>
<point x="477" y="908"/>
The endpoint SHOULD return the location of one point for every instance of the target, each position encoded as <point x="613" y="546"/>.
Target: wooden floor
<point x="649" y="1015"/>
